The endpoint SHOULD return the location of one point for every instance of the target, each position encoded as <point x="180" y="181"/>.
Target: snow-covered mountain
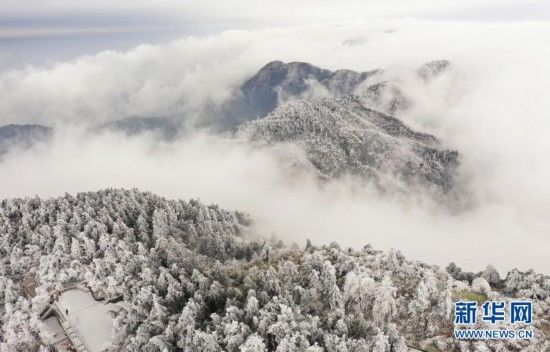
<point x="341" y="136"/>
<point x="195" y="278"/>
<point x="341" y="119"/>
<point x="277" y="82"/>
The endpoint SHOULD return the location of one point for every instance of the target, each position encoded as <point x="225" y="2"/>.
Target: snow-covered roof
<point x="90" y="318"/>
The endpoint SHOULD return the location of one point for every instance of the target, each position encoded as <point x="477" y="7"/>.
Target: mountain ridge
<point x="277" y="81"/>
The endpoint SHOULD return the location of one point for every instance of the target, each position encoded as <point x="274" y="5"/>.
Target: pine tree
<point x="384" y="308"/>
<point x="253" y="343"/>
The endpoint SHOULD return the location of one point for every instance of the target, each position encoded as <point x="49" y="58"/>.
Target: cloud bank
<point x="491" y="107"/>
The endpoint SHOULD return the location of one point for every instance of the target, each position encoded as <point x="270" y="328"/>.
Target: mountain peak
<point x="278" y="81"/>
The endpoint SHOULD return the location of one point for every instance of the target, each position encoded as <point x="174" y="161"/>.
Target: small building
<point x="76" y="319"/>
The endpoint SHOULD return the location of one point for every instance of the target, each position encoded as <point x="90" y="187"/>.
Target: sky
<point x="71" y="62"/>
<point x="34" y="31"/>
<point x="302" y="10"/>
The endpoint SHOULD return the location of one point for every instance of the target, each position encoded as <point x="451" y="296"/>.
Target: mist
<point x="491" y="107"/>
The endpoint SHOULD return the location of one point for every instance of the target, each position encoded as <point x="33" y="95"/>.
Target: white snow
<point x="90" y="318"/>
<point x="54" y="328"/>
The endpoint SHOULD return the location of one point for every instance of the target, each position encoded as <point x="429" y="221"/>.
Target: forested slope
<point x="194" y="278"/>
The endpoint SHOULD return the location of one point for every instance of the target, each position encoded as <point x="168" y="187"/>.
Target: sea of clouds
<point x="491" y="107"/>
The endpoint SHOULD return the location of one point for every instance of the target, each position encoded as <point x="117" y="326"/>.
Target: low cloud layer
<point x="491" y="107"/>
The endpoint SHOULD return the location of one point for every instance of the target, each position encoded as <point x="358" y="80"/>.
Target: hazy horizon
<point x="33" y="32"/>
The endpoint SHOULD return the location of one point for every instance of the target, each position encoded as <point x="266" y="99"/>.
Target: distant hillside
<point x="344" y="137"/>
<point x="165" y="128"/>
<point x="22" y="136"/>
<point x="25" y="136"/>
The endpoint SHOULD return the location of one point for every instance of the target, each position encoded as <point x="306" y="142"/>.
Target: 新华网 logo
<point x="493" y="312"/>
